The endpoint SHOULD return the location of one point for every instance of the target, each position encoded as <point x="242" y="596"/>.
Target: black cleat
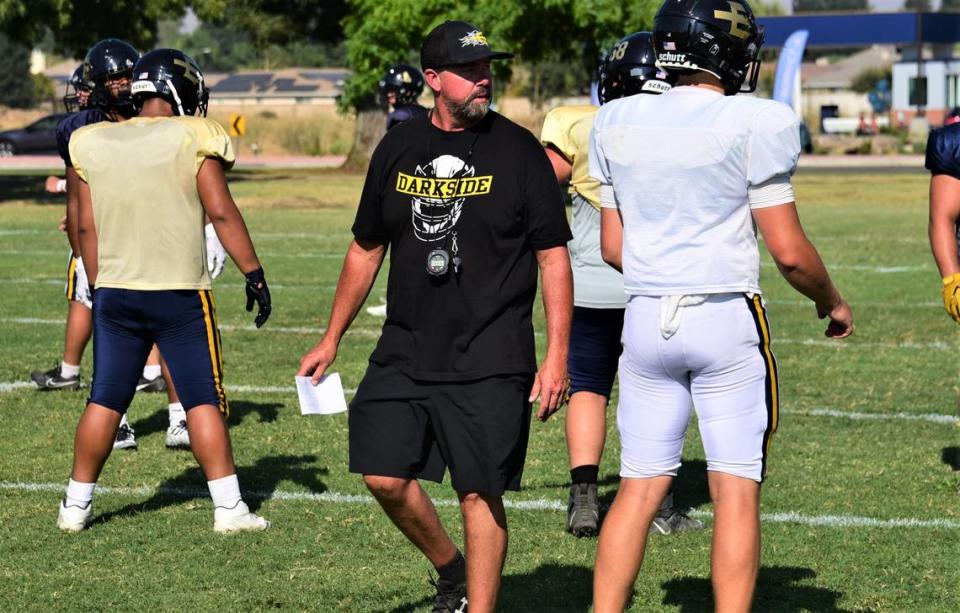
<point x="53" y="380"/>
<point x="583" y="510"/>
<point x="151" y="385"/>
<point x="451" y="597"/>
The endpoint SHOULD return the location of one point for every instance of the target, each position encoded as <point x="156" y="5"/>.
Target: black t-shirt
<point x="404" y="113"/>
<point x="503" y="203"/>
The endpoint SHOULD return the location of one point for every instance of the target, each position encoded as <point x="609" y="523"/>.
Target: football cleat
<point x="237" y="519"/>
<point x="74" y="518"/>
<point x="451" y="597"/>
<point x="53" y="380"/>
<point x="177" y="436"/>
<point x="156" y="384"/>
<point x="673" y="521"/>
<point x="125" y="438"/>
<point x="583" y="510"/>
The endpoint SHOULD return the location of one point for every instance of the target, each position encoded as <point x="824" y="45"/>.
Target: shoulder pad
<point x="943" y="151"/>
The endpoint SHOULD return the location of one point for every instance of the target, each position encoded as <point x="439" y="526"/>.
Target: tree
<point x="950" y="6"/>
<point x="80" y="23"/>
<point x="540" y="32"/>
<point x="821" y="6"/>
<point x="16" y="84"/>
<point x="917" y="5"/>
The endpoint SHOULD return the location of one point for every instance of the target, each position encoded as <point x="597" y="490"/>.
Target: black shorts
<point x="595" y="349"/>
<point x="400" y="427"/>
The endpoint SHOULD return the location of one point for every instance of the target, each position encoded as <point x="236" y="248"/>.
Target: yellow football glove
<point x="951" y="295"/>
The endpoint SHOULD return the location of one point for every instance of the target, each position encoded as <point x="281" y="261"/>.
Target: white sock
<point x="69" y="370"/>
<point x="123" y="421"/>
<point x="79" y="494"/>
<point x="177" y="414"/>
<point x="225" y="491"/>
<point x="151" y="371"/>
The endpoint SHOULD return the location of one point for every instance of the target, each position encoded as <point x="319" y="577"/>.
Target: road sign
<point x="238" y="125"/>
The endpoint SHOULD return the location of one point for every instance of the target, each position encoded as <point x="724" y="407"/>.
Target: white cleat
<point x="177" y="436"/>
<point x="74" y="518"/>
<point x="237" y="519"/>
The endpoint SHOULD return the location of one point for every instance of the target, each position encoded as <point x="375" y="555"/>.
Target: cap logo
<point x="474" y="39"/>
<point x="739" y="20"/>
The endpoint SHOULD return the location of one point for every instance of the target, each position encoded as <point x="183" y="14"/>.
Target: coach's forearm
<point x="360" y="268"/>
<point x="557" y="290"/>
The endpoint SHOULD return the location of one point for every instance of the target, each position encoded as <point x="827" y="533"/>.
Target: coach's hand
<point x="317" y="360"/>
<point x="951" y="296"/>
<point x="550" y="385"/>
<point x="841" y="319"/>
<point x="257" y="291"/>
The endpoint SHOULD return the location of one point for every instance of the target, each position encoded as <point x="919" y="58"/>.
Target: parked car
<point x="38" y="137"/>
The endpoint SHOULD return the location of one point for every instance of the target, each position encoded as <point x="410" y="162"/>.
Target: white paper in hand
<point x="324" y="398"/>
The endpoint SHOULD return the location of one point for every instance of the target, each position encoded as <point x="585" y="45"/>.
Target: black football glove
<point x="257" y="291"/>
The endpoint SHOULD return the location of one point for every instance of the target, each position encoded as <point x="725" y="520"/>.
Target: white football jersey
<point x="680" y="167"/>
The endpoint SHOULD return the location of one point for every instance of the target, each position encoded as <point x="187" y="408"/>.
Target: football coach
<point x="467" y="205"/>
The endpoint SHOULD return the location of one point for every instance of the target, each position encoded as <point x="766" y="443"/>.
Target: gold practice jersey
<point x="142" y="175"/>
<point x="568" y="129"/>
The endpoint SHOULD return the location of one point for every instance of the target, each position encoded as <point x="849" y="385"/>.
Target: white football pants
<point x="718" y="361"/>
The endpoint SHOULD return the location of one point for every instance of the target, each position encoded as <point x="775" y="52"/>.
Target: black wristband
<point x="255" y="277"/>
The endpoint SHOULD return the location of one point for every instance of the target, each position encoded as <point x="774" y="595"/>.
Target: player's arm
<point x="562" y="167"/>
<point x="800" y="264"/>
<point x="360" y="268"/>
<point x="232" y="231"/>
<point x="611" y="237"/>
<point x="551" y="382"/>
<point x="944" y="215"/>
<point x="86" y="230"/>
<point x="73" y="208"/>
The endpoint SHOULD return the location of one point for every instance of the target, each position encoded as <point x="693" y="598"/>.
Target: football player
<point x="154" y="203"/>
<point x="599" y="299"/>
<point x="944" y="166"/>
<point x="101" y="93"/>
<point x="686" y="179"/>
<point x="400" y="87"/>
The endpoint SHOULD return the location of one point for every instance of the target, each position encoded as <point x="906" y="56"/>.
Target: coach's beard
<point x="469" y="111"/>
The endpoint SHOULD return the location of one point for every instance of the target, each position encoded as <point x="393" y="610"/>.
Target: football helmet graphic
<point x="404" y="81"/>
<point x="720" y="37"/>
<point x="172" y="75"/>
<point x="630" y="68"/>
<point x="107" y="65"/>
<point x="434" y="218"/>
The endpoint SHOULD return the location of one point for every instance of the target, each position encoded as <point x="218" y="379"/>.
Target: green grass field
<point x="861" y="505"/>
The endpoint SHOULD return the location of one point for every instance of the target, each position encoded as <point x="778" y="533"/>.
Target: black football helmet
<point x="630" y="68"/>
<point x="107" y="61"/>
<point x="77" y="93"/>
<point x="720" y="37"/>
<point x="404" y="81"/>
<point x="172" y="75"/>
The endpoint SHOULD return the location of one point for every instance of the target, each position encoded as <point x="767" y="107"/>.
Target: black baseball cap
<point x="457" y="42"/>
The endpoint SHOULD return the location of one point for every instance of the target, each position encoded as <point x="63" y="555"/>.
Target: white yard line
<point x="542" y="504"/>
<point x="936" y="418"/>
